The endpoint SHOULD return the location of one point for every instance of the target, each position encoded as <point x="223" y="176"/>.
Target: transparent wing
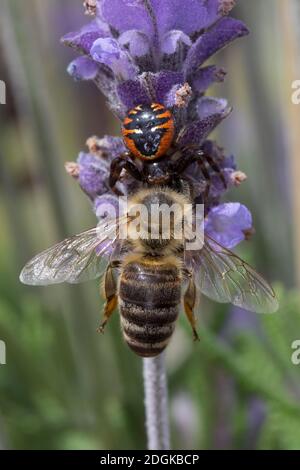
<point x="226" y="278"/>
<point x="76" y="259"/>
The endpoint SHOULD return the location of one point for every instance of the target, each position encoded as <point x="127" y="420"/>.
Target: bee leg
<point x="117" y="165"/>
<point x="189" y="305"/>
<point x="111" y="297"/>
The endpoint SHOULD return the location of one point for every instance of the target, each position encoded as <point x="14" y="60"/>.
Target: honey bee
<point x="149" y="277"/>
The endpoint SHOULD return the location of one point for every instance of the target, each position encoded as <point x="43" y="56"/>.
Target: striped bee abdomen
<point x="149" y="297"/>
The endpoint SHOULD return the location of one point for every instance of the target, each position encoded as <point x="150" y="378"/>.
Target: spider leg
<point x="215" y="167"/>
<point x="186" y="159"/>
<point x="117" y="165"/>
<point x="207" y="178"/>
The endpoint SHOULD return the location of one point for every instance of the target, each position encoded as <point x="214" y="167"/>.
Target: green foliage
<point x="48" y="402"/>
<point x="260" y="362"/>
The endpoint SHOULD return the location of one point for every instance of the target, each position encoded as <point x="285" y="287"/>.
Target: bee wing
<point x="226" y="278"/>
<point x="76" y="259"/>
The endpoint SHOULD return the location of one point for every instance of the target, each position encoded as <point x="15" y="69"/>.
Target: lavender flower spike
<point x="141" y="52"/>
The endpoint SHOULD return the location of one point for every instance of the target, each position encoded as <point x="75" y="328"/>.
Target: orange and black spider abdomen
<point x="148" y="131"/>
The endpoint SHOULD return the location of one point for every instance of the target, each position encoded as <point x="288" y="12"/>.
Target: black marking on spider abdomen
<point x="146" y="126"/>
<point x="145" y="118"/>
<point x="149" y="297"/>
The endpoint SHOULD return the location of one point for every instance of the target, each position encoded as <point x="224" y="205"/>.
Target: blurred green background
<point x="64" y="386"/>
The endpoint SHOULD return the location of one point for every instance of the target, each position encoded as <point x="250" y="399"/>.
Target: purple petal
<point x="217" y="187"/>
<point x="207" y="106"/>
<point x="132" y="93"/>
<point x="106" y="205"/>
<point x="110" y="147"/>
<point x="126" y="15"/>
<point x="188" y="16"/>
<point x="228" y="223"/>
<point x="108" y="51"/>
<point x="137" y="42"/>
<point x="107" y="84"/>
<point x="224" y="32"/>
<point x="83" y="68"/>
<point x="172" y="39"/>
<point x="149" y="88"/>
<point x="226" y="165"/>
<point x="94" y="167"/>
<point x="171" y="98"/>
<point x="93" y="174"/>
<point x="161" y="83"/>
<point x="216" y="152"/>
<point x="83" y="39"/>
<point x="196" y="132"/>
<point x="206" y="77"/>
